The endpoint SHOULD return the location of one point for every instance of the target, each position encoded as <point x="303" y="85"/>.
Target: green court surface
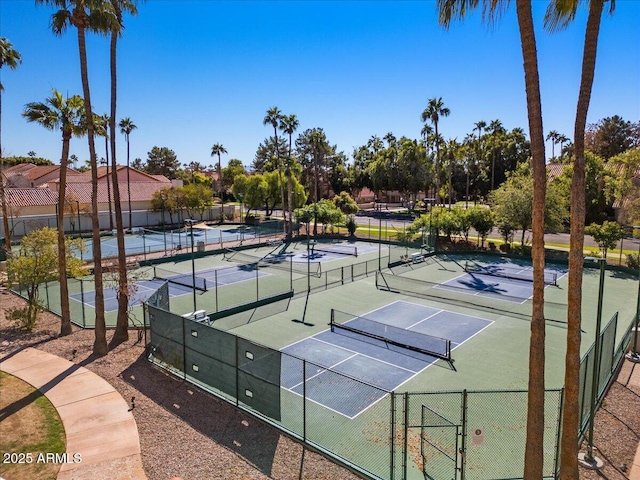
<point x="386" y="428"/>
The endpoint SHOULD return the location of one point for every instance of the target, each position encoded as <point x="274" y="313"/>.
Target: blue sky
<point x="195" y="73"/>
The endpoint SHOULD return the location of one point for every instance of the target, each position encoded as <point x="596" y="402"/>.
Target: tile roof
<point x="140" y="191"/>
<point x="30" y="197"/>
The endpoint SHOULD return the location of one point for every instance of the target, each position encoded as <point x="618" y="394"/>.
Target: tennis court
<point x="179" y="284"/>
<point x="508" y="282"/>
<point x="377" y="348"/>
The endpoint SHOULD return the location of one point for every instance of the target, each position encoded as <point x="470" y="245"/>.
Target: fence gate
<point x="439" y="446"/>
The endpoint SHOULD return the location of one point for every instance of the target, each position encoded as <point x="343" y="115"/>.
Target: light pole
<point x="588" y="459"/>
<point x="79" y="227"/>
<point x="634" y="354"/>
<point x="190" y="222"/>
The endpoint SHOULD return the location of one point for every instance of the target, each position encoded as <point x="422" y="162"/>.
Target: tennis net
<point x="182" y="279"/>
<point x="510" y="272"/>
<point x="340" y="248"/>
<point x="279" y="262"/>
<point x="388" y="334"/>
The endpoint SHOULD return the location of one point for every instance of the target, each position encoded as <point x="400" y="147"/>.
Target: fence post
<point x="304" y="400"/>
<point x="216" y="280"/>
<point x="558" y="430"/>
<point x="405" y="446"/>
<point x="46" y="289"/>
<point x="392" y="434"/>
<point x="84" y="321"/>
<point x="463" y="449"/>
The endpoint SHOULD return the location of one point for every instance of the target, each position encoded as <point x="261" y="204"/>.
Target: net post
<point x="333" y="318"/>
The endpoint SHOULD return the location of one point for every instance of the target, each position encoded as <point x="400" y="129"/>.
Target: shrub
<point x="351" y="225"/>
<point x="633" y="261"/>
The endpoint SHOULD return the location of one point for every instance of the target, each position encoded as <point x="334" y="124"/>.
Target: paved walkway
<point x="96" y="419"/>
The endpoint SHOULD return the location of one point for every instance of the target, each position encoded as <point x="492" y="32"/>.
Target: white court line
<point x="367" y="356"/>
<point x="323" y="369"/>
<point x="457" y="345"/>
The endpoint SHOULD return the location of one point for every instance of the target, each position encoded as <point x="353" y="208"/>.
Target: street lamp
<point x="588" y="459"/>
<point x="79" y="227"/>
<point x="634" y="354"/>
<point x="190" y="222"/>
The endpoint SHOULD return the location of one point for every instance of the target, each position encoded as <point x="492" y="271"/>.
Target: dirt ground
<point x="187" y="433"/>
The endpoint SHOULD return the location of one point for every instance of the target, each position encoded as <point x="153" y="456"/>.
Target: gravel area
<point x="190" y="434"/>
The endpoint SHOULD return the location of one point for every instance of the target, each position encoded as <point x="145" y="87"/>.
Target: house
<point x="32" y="197"/>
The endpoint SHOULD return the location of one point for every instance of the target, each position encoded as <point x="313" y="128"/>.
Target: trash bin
<point x="201" y="246"/>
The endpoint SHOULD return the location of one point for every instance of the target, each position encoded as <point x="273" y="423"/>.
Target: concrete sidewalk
<point x="97" y="421"/>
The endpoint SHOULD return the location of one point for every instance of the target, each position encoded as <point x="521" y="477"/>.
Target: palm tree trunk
<point x="3" y="198"/>
<point x="220" y="189"/>
<point x="65" y="324"/>
<point x="437" y="196"/>
<point x="106" y="150"/>
<point x="129" y="184"/>
<point x="534" y="459"/>
<point x="571" y="414"/>
<point x="122" y="324"/>
<point x="100" y="347"/>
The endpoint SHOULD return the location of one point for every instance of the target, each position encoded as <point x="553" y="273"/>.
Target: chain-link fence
<point x="340" y="415"/>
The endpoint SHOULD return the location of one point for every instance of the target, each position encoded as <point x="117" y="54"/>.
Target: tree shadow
<point x="226" y="425"/>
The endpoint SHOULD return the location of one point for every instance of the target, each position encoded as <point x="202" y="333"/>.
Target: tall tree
<point x="497" y="130"/>
<point x="559" y="14"/>
<point x="288" y="125"/>
<point x="115" y="29"/>
<point x="455" y="9"/>
<point x="218" y="149"/>
<point x="273" y="117"/>
<point x="11" y="58"/>
<point x="68" y="116"/>
<point x="436" y="109"/>
<point x="554" y="136"/>
<point x="102" y="129"/>
<point x="126" y="127"/>
<point x="87" y="15"/>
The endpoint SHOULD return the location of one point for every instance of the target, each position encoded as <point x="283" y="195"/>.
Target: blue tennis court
<point x="213" y="277"/>
<point x="511" y="284"/>
<point x="144" y="289"/>
<point x="371" y="361"/>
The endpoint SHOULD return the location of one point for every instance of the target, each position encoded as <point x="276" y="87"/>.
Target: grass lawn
<point x="30" y="426"/>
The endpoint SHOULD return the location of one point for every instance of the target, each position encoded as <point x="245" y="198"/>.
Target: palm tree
<point x="272" y="118"/>
<point x="87" y="15"/>
<point x="68" y="116"/>
<point x="102" y="129"/>
<point x="479" y="126"/>
<point x="218" y="149"/>
<point x="11" y="58"/>
<point x="436" y="109"/>
<point x="553" y="135"/>
<point x="457" y="9"/>
<point x="496" y="129"/>
<point x="288" y="125"/>
<point x="562" y="139"/>
<point x="121" y="333"/>
<point x="559" y="15"/>
<point x="126" y="127"/>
